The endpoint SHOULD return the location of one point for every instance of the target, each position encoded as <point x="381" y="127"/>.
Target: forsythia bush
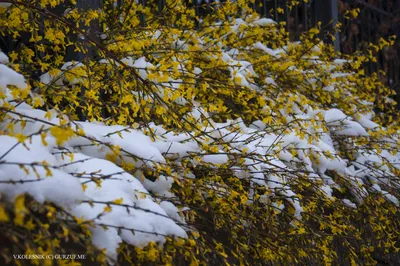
<point x="174" y="140"/>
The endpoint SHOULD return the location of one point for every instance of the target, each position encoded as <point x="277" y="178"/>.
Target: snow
<point x="264" y="21"/>
<point x="349" y="203"/>
<point x="35" y="181"/>
<point x="334" y="116"/>
<point x="160" y="186"/>
<point x="144" y="215"/>
<point x="351" y="128"/>
<point x="60" y="78"/>
<point x="64" y="176"/>
<point x="262" y="47"/>
<point x="3" y="58"/>
<point x="272" y="158"/>
<point x="63" y="187"/>
<point x="5" y="5"/>
<point x="215" y="158"/>
<point x="132" y="141"/>
<point x="10" y="77"/>
<point x="141" y="64"/>
<point x="365" y="121"/>
<point x="171" y="210"/>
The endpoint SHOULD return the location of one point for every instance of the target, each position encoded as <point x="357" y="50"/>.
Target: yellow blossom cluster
<point x="280" y="153"/>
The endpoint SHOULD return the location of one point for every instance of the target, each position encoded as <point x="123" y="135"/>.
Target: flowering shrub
<point x="212" y="141"/>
